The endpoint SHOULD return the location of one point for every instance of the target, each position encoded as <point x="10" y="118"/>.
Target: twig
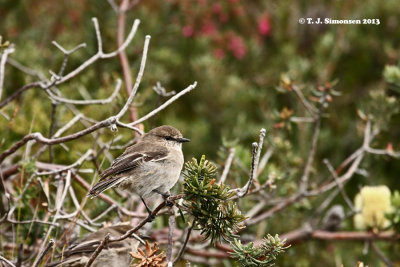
<point x="256" y="153"/>
<point x="140" y="225"/>
<point x="182" y="249"/>
<point x="76" y="163"/>
<point x="123" y="58"/>
<point x="98" y="250"/>
<point x="167" y="103"/>
<point x="304" y="178"/>
<point x="18" y="92"/>
<point x="43" y="253"/>
<point x="171" y="224"/>
<point x="381" y="255"/>
<point x="228" y="164"/>
<point x="339" y="185"/>
<point x="303" y="100"/>
<point x="88" y="102"/>
<point x="3" y="61"/>
<point x="6" y="261"/>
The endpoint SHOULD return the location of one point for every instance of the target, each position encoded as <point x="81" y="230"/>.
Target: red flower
<point x="237" y="46"/>
<point x="217" y="8"/>
<point x="219" y="53"/>
<point x="264" y="25"/>
<point x="187" y="31"/>
<point x="208" y="28"/>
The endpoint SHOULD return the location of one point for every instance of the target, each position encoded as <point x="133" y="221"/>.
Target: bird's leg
<point x="166" y="196"/>
<point x="151" y="216"/>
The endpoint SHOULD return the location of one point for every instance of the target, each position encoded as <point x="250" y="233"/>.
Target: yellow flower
<point x="372" y="202"/>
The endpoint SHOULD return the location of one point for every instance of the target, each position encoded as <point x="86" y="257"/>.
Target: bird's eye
<point x="168" y="138"/>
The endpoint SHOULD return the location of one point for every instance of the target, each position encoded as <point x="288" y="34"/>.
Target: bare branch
<point x="3" y="61"/>
<point x="98" y="250"/>
<point x="77" y="163"/>
<point x="172" y="225"/>
<point x="303" y="100"/>
<point x="182" y="250"/>
<point x="163" y="106"/>
<point x="138" y="79"/>
<point x="256" y="153"/>
<point x="6" y="261"/>
<point x="304" y="178"/>
<point x="228" y="164"/>
<point x="44" y="252"/>
<point x="339" y="185"/>
<point x="88" y="102"/>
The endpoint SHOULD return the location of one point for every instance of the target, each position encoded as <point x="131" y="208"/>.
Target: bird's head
<point x="167" y="135"/>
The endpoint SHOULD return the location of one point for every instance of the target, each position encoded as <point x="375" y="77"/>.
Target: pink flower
<point x="187" y="31"/>
<point x="208" y="29"/>
<point x="217" y="8"/>
<point x="264" y="26"/>
<point x="219" y="53"/>
<point x="237" y="46"/>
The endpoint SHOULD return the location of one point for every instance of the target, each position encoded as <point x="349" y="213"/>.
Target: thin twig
<point x="98" y="250"/>
<point x="339" y="185"/>
<point x="228" y="164"/>
<point x="303" y="100"/>
<point x="381" y="255"/>
<point x="163" y="106"/>
<point x="88" y="102"/>
<point x="6" y="261"/>
<point x="43" y="253"/>
<point x="182" y="250"/>
<point x="3" y="61"/>
<point x="140" y="225"/>
<point x="171" y="224"/>
<point x="256" y="153"/>
<point x="73" y="165"/>
<point x="306" y="174"/>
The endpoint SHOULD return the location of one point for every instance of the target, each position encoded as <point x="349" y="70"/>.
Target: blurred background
<point x="239" y="52"/>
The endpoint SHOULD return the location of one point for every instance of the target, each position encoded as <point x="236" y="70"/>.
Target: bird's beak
<point x="182" y="140"/>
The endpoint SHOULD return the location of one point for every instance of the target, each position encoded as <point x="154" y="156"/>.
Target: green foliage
<point x="380" y="108"/>
<point x="208" y="201"/>
<point x="263" y="255"/>
<point x="392" y="76"/>
<point x="394" y="215"/>
<point x="28" y="166"/>
<point x="5" y="44"/>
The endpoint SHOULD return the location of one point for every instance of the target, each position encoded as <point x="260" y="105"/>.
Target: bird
<point x="148" y="168"/>
<point x="114" y="254"/>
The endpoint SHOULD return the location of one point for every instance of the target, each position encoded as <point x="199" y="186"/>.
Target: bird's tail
<point x="105" y="184"/>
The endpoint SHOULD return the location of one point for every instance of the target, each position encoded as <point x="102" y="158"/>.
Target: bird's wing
<point x="130" y="159"/>
<point x="134" y="157"/>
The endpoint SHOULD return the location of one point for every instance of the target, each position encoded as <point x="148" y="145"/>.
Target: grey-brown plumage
<point x="114" y="254"/>
<point x="152" y="166"/>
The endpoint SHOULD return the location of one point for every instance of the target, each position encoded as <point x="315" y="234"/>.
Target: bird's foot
<point x="166" y="197"/>
<point x="168" y="202"/>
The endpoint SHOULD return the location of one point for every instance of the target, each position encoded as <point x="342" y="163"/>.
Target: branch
<point x="339" y="185"/>
<point x="256" y="153"/>
<point x="3" y="61"/>
<point x="44" y="252"/>
<point x="172" y="225"/>
<point x="182" y="250"/>
<point x="304" y="179"/>
<point x="98" y="250"/>
<point x="228" y="164"/>
<point x="149" y="218"/>
<point x="6" y="261"/>
<point x="167" y="103"/>
<point x="87" y="102"/>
